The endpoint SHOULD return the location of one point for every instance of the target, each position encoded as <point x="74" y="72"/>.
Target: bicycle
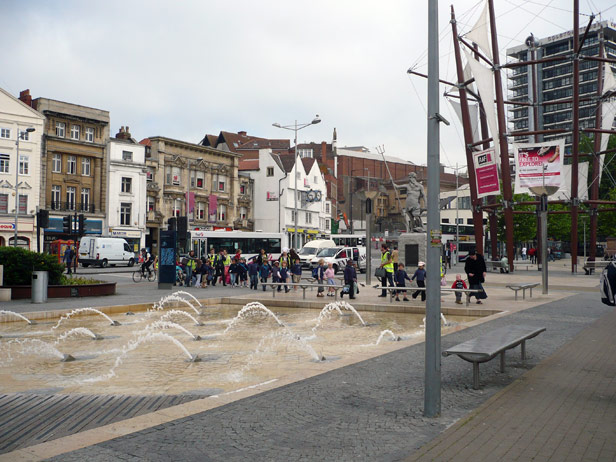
<point x="139" y="275"/>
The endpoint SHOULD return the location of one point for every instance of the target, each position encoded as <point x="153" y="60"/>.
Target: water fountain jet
<point x="20" y="316"/>
<point x="85" y="310"/>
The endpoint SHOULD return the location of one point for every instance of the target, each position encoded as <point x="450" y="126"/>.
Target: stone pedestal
<point x="412" y="249"/>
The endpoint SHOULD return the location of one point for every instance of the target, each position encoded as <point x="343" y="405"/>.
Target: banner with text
<point x="539" y="164"/>
<point x="486" y="173"/>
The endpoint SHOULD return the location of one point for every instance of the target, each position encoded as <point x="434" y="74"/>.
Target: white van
<point x="311" y="248"/>
<point x="338" y="256"/>
<point x="105" y="251"/>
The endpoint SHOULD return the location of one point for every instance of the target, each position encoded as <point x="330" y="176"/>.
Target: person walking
<point x="320" y="277"/>
<point x="475" y="269"/>
<point x="400" y="278"/>
<point x="253" y="274"/>
<point x="191" y="265"/>
<point x="264" y="272"/>
<point x="234" y="272"/>
<point x="219" y="267"/>
<point x="329" y="275"/>
<point x="350" y="279"/>
<point x="388" y="265"/>
<point x="242" y="273"/>
<point x="296" y="273"/>
<point x="420" y="277"/>
<point x="69" y="255"/>
<point x="284" y="276"/>
<point x="458" y="284"/>
<point x="524" y="253"/>
<point x="394" y="258"/>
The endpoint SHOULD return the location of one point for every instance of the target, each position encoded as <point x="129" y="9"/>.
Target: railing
<point x="73" y="206"/>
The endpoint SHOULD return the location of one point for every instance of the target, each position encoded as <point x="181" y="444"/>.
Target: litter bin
<point x="40" y="280"/>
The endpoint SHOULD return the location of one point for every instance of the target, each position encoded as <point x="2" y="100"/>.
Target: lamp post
<point x="296" y="127"/>
<point x="20" y="134"/>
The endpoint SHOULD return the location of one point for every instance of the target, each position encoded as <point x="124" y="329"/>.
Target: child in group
<point x="180" y="277"/>
<point x="459" y="284"/>
<point x="276" y="273"/>
<point x="243" y="273"/>
<point x="329" y="275"/>
<point x="296" y="273"/>
<point x="400" y="276"/>
<point x="234" y="271"/>
<point x="207" y="273"/>
<point x="284" y="275"/>
<point x="253" y="273"/>
<point x="264" y="271"/>
<point x="420" y="275"/>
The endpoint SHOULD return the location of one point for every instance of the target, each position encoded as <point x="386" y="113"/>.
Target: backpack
<point x="607" y="284"/>
<point x="315" y="272"/>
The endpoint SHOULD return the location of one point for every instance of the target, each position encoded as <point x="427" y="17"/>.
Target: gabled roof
<point x="241" y="141"/>
<point x="308" y="163"/>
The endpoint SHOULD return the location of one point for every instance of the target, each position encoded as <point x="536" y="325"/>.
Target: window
<point x="197" y="179"/>
<point x="127" y="156"/>
<point x="74" y="132"/>
<point x="222" y="183"/>
<point x="24" y="163"/>
<point x="4" y="203"/>
<point x="242" y="189"/>
<point x="172" y="175"/>
<point x="327" y="207"/>
<point x="293" y="216"/>
<point x="85" y="199"/>
<point x="222" y="212"/>
<point x="308" y="217"/>
<point x="4" y="163"/>
<point x="71" y="193"/>
<point x="56" y="163"/>
<point x="270" y="171"/>
<point x="71" y="165"/>
<point x="304" y="153"/>
<point x="151" y="204"/>
<point x="327" y="223"/>
<point x="127" y="185"/>
<point x="125" y="213"/>
<point x="445" y="220"/>
<point x="201" y="210"/>
<point x="56" y="194"/>
<point x="23" y="204"/>
<point x="60" y="127"/>
<point x="469" y="221"/>
<point x="5" y="132"/>
<point x="149" y="175"/>
<point x="85" y="166"/>
<point x="243" y="213"/>
<point x="90" y="135"/>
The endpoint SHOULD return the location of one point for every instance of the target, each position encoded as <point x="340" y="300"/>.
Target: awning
<point x="313" y="231"/>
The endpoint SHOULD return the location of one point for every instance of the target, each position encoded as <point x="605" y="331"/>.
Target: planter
<point x="88" y="290"/>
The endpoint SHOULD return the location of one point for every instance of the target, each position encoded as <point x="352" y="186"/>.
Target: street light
<point x="296" y="127"/>
<point x="20" y="135"/>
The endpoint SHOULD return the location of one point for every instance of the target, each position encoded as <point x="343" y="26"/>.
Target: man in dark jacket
<point x="350" y="279"/>
<point x="475" y="269"/>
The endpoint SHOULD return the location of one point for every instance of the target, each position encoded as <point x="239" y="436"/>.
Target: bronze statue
<point x="412" y="208"/>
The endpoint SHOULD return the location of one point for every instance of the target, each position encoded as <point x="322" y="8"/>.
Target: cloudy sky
<point x="185" y="68"/>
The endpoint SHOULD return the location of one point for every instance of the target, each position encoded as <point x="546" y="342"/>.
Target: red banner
<point x="486" y="173"/>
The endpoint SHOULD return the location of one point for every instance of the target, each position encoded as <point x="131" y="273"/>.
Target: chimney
<point x="25" y="97"/>
<point x="123" y="134"/>
<point x="241" y="133"/>
<point x="324" y="153"/>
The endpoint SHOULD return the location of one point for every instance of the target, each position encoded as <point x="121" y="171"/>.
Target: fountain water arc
<point x="17" y="315"/>
<point x="85" y="310"/>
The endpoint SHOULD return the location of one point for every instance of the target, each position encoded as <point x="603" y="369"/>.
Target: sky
<point x="182" y="69"/>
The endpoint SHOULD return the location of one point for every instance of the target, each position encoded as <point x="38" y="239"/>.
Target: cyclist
<point x="147" y="262"/>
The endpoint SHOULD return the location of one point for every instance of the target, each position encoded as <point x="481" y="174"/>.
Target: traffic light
<point x="67" y="224"/>
<point x="182" y="223"/>
<point x="43" y="218"/>
<point x="82" y="224"/>
<point x="172" y="224"/>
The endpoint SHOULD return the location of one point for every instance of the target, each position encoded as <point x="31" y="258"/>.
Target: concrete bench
<point x="392" y="291"/>
<point x="494" y="265"/>
<point x="517" y="287"/>
<point x="590" y="266"/>
<point x="486" y="347"/>
<point x="303" y="286"/>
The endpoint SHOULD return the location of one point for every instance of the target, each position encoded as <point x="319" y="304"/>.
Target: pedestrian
<point x="264" y="272"/>
<point x="394" y="258"/>
<point x="388" y="265"/>
<point x="524" y="253"/>
<point x="284" y="276"/>
<point x="190" y="266"/>
<point x="276" y="273"/>
<point x="227" y="262"/>
<point x="296" y="273"/>
<point x="458" y="284"/>
<point x="69" y="256"/>
<point x="350" y="279"/>
<point x="550" y="254"/>
<point x="238" y="255"/>
<point x="234" y="272"/>
<point x="329" y="275"/>
<point x="400" y="277"/>
<point x="220" y="269"/>
<point x="320" y="277"/>
<point x="262" y="258"/>
<point x="420" y="277"/>
<point x="197" y="272"/>
<point x="284" y="256"/>
<point x="532" y="253"/>
<point x="475" y="268"/>
<point x="243" y="273"/>
<point x="253" y="274"/>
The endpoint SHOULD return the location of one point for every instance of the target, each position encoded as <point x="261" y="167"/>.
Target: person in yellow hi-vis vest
<point x="387" y="264"/>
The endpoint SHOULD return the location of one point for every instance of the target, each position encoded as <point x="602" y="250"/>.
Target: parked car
<point x="105" y="251"/>
<point x="339" y="256"/>
<point x="311" y="248"/>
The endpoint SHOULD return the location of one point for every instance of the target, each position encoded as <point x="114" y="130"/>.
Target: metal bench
<point x="303" y="286"/>
<point x="517" y="287"/>
<point x="392" y="291"/>
<point x="590" y="266"/>
<point x="486" y="347"/>
<point x="497" y="265"/>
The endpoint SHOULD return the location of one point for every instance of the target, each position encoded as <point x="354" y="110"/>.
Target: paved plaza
<point x="559" y="404"/>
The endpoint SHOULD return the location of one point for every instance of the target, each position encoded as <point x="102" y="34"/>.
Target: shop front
<point x="134" y="237"/>
<point x="26" y="232"/>
<point x="55" y="231"/>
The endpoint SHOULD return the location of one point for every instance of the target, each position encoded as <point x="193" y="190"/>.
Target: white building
<point x="275" y="200"/>
<point x="15" y="118"/>
<point x="126" y="200"/>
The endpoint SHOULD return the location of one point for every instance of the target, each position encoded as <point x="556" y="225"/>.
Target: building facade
<point x="126" y="201"/>
<point x="73" y="167"/>
<point x="199" y="182"/>
<point x="275" y="198"/>
<point x="19" y="172"/>
<point x="554" y="82"/>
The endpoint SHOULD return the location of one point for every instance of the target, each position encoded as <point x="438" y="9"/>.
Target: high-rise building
<point x="555" y="82"/>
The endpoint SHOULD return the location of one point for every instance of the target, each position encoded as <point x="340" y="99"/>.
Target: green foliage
<point x="77" y="281"/>
<point x="19" y="264"/>
<point x="524" y="225"/>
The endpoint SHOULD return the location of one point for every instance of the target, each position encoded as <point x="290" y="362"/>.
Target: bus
<point x="250" y="243"/>
<point x="466" y="238"/>
<point x="349" y="240"/>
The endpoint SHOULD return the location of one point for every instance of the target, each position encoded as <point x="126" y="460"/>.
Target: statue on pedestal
<point x="412" y="208"/>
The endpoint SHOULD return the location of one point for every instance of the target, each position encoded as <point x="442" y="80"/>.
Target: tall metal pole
<point x="457" y="214"/>
<point x="544" y="243"/>
<point x="432" y="392"/>
<point x="16" y="185"/>
<point x="594" y="189"/>
<point x="502" y="140"/>
<point x="368" y="241"/>
<point x="575" y="136"/>
<point x="296" y="170"/>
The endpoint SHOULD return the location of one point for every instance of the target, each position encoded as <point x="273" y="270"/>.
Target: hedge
<point x="19" y="263"/>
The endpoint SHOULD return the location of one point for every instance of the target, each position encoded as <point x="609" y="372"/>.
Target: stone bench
<point x="494" y="265"/>
<point x="517" y="287"/>
<point x="590" y="266"/>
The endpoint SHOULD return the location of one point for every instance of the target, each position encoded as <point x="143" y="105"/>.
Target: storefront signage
<point x="7" y="226"/>
<point x="125" y="233"/>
